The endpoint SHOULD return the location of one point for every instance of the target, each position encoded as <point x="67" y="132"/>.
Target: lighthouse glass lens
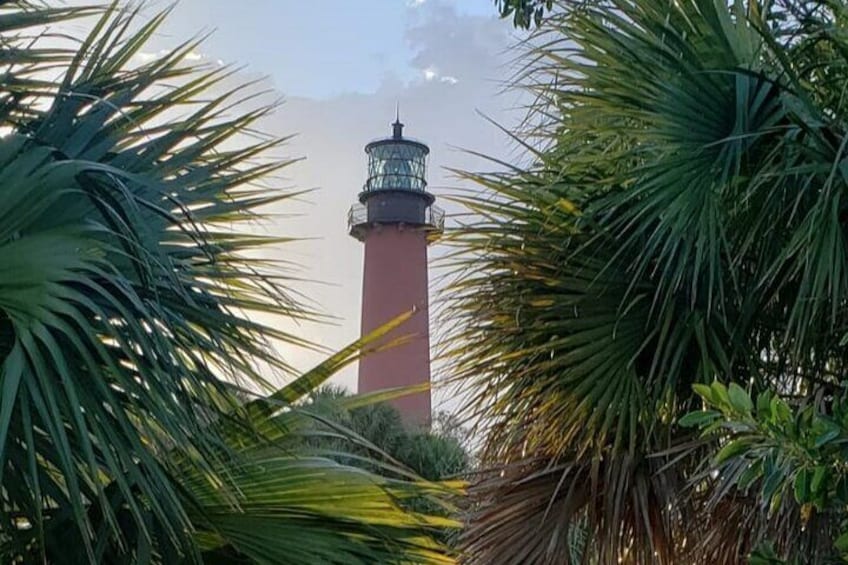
<point x="396" y="166"/>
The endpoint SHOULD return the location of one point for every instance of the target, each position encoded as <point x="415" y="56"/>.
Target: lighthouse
<point x="395" y="219"/>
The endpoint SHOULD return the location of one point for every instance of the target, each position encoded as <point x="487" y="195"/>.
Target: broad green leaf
<point x="802" y="486"/>
<point x="699" y="418"/>
<point x="720" y="394"/>
<point x="705" y="392"/>
<point x="820" y="474"/>
<point x="731" y="449"/>
<point x="739" y="399"/>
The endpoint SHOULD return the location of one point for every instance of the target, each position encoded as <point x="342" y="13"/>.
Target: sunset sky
<point x="341" y="66"/>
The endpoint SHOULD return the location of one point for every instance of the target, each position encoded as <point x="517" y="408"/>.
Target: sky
<point x="340" y="67"/>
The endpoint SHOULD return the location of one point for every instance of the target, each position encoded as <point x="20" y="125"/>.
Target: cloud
<point x="466" y="47"/>
<point x="431" y="73"/>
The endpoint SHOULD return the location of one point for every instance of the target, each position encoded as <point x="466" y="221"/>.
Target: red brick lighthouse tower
<point x="395" y="218"/>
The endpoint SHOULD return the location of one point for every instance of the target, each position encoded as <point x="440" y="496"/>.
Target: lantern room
<point x="395" y="191"/>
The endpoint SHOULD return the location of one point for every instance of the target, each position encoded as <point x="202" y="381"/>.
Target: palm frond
<point x="682" y="221"/>
<point x="126" y="332"/>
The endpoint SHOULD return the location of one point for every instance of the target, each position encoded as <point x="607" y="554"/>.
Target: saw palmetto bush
<point x="128" y="343"/>
<point x="683" y="221"/>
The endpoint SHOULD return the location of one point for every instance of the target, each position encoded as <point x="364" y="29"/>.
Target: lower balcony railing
<point x="357" y="217"/>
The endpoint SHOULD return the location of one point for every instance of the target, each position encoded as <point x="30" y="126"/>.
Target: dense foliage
<point x="382" y="444"/>
<point x="129" y="289"/>
<point x="524" y="13"/>
<point x="683" y="222"/>
<point x="432" y="454"/>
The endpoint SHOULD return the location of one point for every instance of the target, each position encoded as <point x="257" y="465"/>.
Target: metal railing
<point x="434" y="217"/>
<point x="357" y="215"/>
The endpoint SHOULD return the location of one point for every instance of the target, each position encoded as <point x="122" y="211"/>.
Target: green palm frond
<point x="128" y="289"/>
<point x="684" y="220"/>
<point x="298" y="510"/>
<point x="298" y="505"/>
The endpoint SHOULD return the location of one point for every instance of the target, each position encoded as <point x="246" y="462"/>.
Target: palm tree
<point x="128" y="292"/>
<point x="683" y="221"/>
